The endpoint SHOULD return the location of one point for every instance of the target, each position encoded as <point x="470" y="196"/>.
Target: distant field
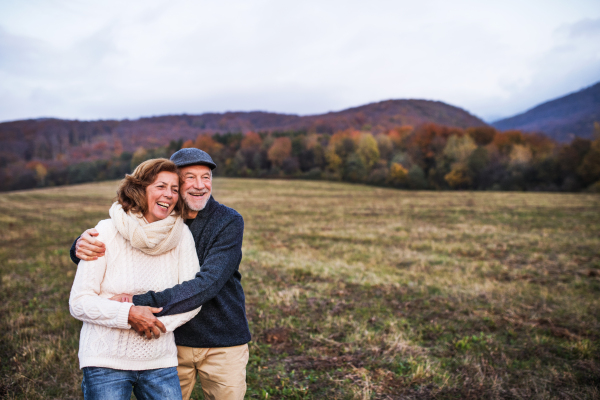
<point x="352" y="291"/>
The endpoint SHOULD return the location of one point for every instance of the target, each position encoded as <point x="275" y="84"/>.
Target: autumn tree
<point x="541" y="146"/>
<point x="571" y="155"/>
<point x="478" y="163"/>
<point x="280" y="150"/>
<point x="174" y="145"/>
<point x="251" y="141"/>
<point x="520" y="155"/>
<point x="340" y="146"/>
<point x="398" y="175"/>
<point x="427" y="142"/>
<point x="139" y="156"/>
<point x="313" y="155"/>
<point x="589" y="170"/>
<point x="334" y="162"/>
<point x="459" y="177"/>
<point x="504" y="141"/>
<point x="482" y="135"/>
<point x="40" y="171"/>
<point x="417" y="178"/>
<point x="458" y="151"/>
<point x="117" y="147"/>
<point x="355" y="169"/>
<point x="368" y="150"/>
<point x="398" y="135"/>
<point x="459" y="148"/>
<point x="250" y="153"/>
<point x="206" y="143"/>
<point x="385" y="146"/>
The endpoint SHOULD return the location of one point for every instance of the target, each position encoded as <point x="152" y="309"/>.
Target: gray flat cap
<point x="192" y="156"/>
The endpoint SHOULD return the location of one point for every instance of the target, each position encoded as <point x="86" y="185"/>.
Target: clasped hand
<point x="141" y="318"/>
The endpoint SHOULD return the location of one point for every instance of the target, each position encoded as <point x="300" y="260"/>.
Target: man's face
<point x="196" y="187"/>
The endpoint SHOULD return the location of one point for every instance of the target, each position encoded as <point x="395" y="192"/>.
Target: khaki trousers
<point x="222" y="371"/>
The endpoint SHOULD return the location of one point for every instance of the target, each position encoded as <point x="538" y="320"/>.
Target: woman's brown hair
<point x="131" y="193"/>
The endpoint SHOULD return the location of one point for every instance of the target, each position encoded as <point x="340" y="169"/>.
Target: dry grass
<point x="352" y="291"/>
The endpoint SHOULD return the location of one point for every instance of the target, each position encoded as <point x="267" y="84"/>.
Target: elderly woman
<point x="148" y="247"/>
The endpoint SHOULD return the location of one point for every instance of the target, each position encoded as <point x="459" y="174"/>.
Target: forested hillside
<point x="50" y="139"/>
<point x="562" y="118"/>
<point x="428" y="156"/>
<point x="399" y="143"/>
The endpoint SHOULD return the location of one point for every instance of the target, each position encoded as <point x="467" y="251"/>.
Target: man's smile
<point x="198" y="194"/>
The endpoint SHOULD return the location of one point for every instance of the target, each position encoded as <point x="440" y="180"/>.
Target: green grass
<point x="352" y="291"/>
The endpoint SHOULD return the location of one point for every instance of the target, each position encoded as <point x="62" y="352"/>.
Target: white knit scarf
<point x="153" y="239"/>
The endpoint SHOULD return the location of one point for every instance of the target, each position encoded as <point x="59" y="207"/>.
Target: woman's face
<point x="162" y="195"/>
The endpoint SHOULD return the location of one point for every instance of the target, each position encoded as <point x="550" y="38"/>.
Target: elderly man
<point x="214" y="343"/>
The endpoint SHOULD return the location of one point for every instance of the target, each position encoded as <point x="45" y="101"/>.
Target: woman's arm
<point x="188" y="265"/>
<point x="85" y="304"/>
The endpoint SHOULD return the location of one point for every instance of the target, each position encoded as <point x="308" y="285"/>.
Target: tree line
<point x="428" y="156"/>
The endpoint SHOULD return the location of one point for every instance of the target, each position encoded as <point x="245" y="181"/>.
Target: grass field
<point x="352" y="291"/>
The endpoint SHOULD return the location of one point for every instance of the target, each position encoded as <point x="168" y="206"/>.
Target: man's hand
<point x="123" y="298"/>
<point x="144" y="322"/>
<point x="88" y="248"/>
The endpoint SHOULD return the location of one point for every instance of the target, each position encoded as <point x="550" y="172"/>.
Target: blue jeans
<point x="113" y="384"/>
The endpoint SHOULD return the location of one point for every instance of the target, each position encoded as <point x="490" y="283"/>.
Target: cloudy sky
<point x="125" y="59"/>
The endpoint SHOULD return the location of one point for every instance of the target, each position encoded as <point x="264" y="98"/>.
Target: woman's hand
<point x="123" y="298"/>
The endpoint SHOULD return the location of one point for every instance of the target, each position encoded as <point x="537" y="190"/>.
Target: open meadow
<point x="352" y="291"/>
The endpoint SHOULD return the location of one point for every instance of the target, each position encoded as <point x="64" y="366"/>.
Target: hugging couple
<point x="158" y="288"/>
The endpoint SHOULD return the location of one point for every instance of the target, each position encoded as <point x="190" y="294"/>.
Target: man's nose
<point x="199" y="183"/>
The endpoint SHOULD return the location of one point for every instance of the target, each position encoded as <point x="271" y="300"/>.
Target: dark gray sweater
<point x="218" y="231"/>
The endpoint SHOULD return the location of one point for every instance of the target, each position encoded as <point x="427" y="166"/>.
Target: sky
<point x="111" y="59"/>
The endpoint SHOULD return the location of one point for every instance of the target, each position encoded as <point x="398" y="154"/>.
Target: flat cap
<point x="192" y="156"/>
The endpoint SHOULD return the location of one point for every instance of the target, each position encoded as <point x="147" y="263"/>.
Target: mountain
<point x="56" y="139"/>
<point x="560" y="119"/>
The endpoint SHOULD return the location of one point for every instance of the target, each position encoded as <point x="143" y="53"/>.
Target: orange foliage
<point x="312" y="141"/>
<point x="482" y="135"/>
<point x="398" y="134"/>
<point x="280" y="150"/>
<point x="100" y="146"/>
<point x="398" y="174"/>
<point x="540" y="145"/>
<point x="207" y="143"/>
<point x="252" y="141"/>
<point x="458" y="177"/>
<point x="32" y="164"/>
<point x="505" y="140"/>
<point x="431" y="138"/>
<point x="339" y="136"/>
<point x="40" y="170"/>
<point x="118" y="147"/>
<point x="187" y="144"/>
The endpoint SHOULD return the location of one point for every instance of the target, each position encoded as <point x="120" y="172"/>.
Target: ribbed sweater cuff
<point x="123" y="316"/>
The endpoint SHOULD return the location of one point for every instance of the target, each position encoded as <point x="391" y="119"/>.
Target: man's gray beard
<point x="197" y="209"/>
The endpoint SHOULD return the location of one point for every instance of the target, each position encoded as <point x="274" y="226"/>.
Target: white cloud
<point x="84" y="59"/>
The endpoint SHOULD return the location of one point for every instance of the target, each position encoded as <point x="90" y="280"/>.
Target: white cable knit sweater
<point x="106" y="339"/>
